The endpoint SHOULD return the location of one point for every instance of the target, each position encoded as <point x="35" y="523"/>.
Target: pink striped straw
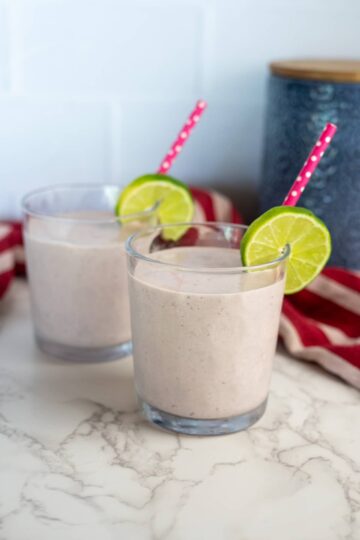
<point x="183" y="136"/>
<point x="310" y="165"/>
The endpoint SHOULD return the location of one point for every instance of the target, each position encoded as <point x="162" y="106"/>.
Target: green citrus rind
<point x="307" y="236"/>
<point x="175" y="202"/>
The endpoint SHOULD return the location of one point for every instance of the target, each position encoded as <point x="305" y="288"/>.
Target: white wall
<point x="95" y="90"/>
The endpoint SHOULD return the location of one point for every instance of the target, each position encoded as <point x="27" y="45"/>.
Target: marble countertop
<point x="77" y="461"/>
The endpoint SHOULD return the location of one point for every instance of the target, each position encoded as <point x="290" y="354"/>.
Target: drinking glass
<point x="204" y="327"/>
<point x="76" y="265"/>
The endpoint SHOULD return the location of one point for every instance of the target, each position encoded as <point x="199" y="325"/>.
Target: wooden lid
<point x="346" y="71"/>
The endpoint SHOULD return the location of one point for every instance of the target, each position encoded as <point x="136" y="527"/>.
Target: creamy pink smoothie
<point x="78" y="280"/>
<point x="203" y="344"/>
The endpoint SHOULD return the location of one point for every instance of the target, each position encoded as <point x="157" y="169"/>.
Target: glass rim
<point x="132" y="252"/>
<point x="73" y="187"/>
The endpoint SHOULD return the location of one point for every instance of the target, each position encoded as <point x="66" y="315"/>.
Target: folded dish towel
<point x="319" y="324"/>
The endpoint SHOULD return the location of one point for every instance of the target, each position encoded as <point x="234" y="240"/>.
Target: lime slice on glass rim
<point x="308" y="238"/>
<point x="175" y="202"/>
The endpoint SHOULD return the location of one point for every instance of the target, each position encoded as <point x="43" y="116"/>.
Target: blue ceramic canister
<point x="302" y="97"/>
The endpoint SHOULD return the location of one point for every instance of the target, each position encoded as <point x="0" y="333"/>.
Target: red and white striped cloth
<point x="11" y="254"/>
<point x="319" y="324"/>
<point x="322" y="323"/>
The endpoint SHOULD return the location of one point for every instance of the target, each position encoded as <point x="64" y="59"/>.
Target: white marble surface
<point x="76" y="460"/>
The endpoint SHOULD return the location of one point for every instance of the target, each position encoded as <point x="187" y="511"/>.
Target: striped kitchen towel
<point x="319" y="324"/>
<point x="11" y="254"/>
<point x="322" y="323"/>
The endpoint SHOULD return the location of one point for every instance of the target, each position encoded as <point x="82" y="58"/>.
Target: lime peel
<point x="308" y="238"/>
<point x="175" y="202"/>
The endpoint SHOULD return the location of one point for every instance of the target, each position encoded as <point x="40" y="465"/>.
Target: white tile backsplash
<point x="96" y="90"/>
<point x="4" y="49"/>
<point x="43" y="143"/>
<point x="123" y="48"/>
<point x="260" y="31"/>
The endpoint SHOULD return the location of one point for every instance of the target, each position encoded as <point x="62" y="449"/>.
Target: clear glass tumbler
<point x="204" y="328"/>
<point x="76" y="265"/>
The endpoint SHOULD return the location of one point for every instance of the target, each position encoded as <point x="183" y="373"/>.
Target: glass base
<point x="84" y="354"/>
<point x="190" y="426"/>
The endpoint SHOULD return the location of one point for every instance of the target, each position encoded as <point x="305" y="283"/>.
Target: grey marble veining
<point x="77" y="461"/>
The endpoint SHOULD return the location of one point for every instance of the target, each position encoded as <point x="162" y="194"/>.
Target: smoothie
<point x="78" y="280"/>
<point x="203" y="341"/>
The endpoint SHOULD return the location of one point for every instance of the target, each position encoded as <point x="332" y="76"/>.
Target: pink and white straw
<point x="310" y="165"/>
<point x="183" y="136"/>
